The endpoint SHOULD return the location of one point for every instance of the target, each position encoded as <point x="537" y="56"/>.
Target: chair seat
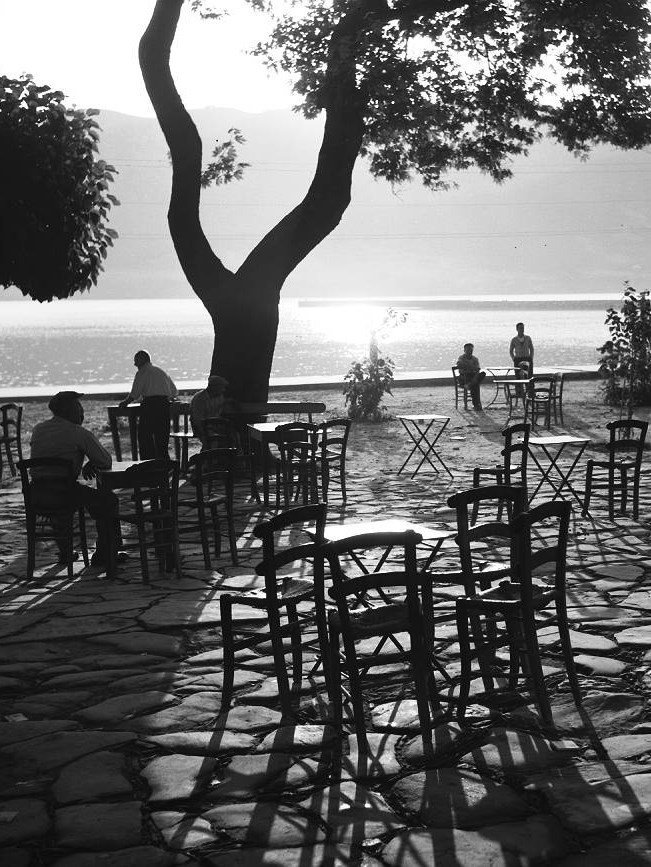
<point x="510" y="593"/>
<point x="148" y="518"/>
<point x="386" y="619"/>
<point x="293" y="590"/>
<point x="618" y="465"/>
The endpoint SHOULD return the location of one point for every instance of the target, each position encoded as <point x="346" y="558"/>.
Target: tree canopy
<point x="55" y="198"/>
<point x="446" y="84"/>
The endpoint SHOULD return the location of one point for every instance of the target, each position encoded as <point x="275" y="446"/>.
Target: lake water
<point x="91" y="341"/>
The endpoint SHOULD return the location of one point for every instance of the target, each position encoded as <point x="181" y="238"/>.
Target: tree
<point x="54" y="198"/>
<point x="419" y="88"/>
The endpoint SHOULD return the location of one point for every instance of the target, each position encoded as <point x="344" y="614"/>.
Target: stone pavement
<point x="114" y="749"/>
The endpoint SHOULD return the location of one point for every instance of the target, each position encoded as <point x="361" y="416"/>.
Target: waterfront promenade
<point x="114" y="748"/>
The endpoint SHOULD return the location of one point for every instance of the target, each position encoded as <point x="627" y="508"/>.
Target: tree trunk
<point x="244" y="305"/>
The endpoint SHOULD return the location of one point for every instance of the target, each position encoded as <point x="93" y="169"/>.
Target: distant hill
<point x="559" y="225"/>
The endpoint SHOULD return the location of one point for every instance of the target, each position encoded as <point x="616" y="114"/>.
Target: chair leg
<point x="475" y="506"/>
<point x="532" y="651"/>
<point x="466" y="661"/>
<point x="142" y="546"/>
<point x="566" y="646"/>
<point x="232" y="539"/>
<point x="636" y="493"/>
<point x="342" y="478"/>
<point x="83" y="540"/>
<point x="228" y="645"/>
<point x="355" y="683"/>
<point x="278" y="651"/>
<point x="295" y="640"/>
<point x="588" y="489"/>
<point x="611" y="492"/>
<point x="624" y="490"/>
<point x="203" y="534"/>
<point x="335" y="691"/>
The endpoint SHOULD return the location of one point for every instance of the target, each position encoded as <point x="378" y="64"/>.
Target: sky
<point x="88" y="49"/>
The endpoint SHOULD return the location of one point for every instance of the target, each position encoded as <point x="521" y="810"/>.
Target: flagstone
<point x="599" y="665"/>
<point x="609" y="712"/>
<point x="296" y="856"/>
<point x="194" y="711"/>
<point x="628" y="746"/>
<point x="508" y="750"/>
<point x="631" y="849"/>
<point x="59" y="628"/>
<point x="636" y="636"/>
<point x="450" y="797"/>
<point x="136" y="856"/>
<point x="537" y="841"/>
<point x="123" y="707"/>
<point x="16" y="732"/>
<point x="115" y="607"/>
<point x="248" y="717"/>
<point x="444" y="741"/>
<point x="377" y="761"/>
<point x="621" y="572"/>
<point x="90" y="677"/>
<point x="91" y="778"/>
<point x="247" y="774"/>
<point x="204" y="743"/>
<point x="52" y="751"/>
<point x="141" y="641"/>
<point x="98" y="827"/>
<point x="265" y="824"/>
<point x="177" y="777"/>
<point x="21" y="820"/>
<point x="595" y="807"/>
<point x="297" y="739"/>
<point x="182" y="832"/>
<point x="352" y="812"/>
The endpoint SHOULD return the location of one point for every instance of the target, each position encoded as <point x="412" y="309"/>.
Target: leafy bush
<point x="366" y="383"/>
<point x="626" y="358"/>
<point x="369" y="380"/>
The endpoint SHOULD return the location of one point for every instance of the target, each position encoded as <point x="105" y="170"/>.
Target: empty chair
<point x="539" y="399"/>
<point x="211" y="478"/>
<point x="513" y="469"/>
<point x="297" y="463"/>
<point x="622" y="466"/>
<point x="333" y="442"/>
<point x="154" y="487"/>
<point x="50" y="516"/>
<point x="516" y="603"/>
<point x="11" y="415"/>
<point x="350" y="624"/>
<point x="292" y="567"/>
<point x="460" y="390"/>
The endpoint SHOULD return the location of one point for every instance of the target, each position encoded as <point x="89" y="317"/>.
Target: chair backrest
<point x="496" y="530"/>
<point x="59" y="470"/>
<point x="11" y="415"/>
<point x="220" y="432"/>
<point x="352" y="547"/>
<point x="211" y="466"/>
<point x="155" y="485"/>
<point x="333" y="435"/>
<point x="516" y="449"/>
<point x="542" y="387"/>
<point x="305" y="526"/>
<point x="297" y="440"/>
<point x="535" y="549"/>
<point x="627" y="436"/>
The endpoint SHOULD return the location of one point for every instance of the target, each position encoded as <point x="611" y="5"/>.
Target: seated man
<point x="470" y="374"/>
<point x="63" y="436"/>
<point x="207" y="403"/>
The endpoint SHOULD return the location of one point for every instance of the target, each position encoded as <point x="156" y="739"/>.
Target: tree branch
<point x="203" y="269"/>
<point x="328" y="196"/>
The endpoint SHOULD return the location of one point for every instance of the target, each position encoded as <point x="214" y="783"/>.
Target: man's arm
<point x="98" y="457"/>
<point x="531" y="349"/>
<point x="136" y="389"/>
<point x="512" y="349"/>
<point x="174" y="389"/>
<point x="195" y="419"/>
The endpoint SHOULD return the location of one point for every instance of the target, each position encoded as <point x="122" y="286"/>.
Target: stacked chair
<point x="512" y="470"/>
<point x="11" y="415"/>
<point x="620" y="469"/>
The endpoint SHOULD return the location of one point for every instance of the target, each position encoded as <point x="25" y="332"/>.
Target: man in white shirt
<point x="63" y="436"/>
<point x="154" y="389"/>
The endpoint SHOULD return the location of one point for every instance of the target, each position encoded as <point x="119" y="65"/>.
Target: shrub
<point x="626" y="358"/>
<point x="366" y="383"/>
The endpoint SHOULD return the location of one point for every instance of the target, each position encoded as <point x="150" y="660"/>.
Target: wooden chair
<point x="516" y="603"/>
<point x="52" y="519"/>
<point x="280" y="598"/>
<point x="460" y="390"/>
<point x="538" y="400"/>
<point x="154" y="487"/>
<point x="512" y="470"/>
<point x="296" y="465"/>
<point x="211" y="476"/>
<point x="625" y="449"/>
<point x="333" y="442"/>
<point x="11" y="415"/>
<point x="384" y="620"/>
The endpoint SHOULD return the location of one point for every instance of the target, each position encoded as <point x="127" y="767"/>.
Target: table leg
<point x="115" y="435"/>
<point x="563" y="476"/>
<point x="133" y="435"/>
<point x="430" y="450"/>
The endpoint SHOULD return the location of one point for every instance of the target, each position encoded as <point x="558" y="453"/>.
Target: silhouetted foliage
<point x="626" y="358"/>
<point x="54" y="198"/>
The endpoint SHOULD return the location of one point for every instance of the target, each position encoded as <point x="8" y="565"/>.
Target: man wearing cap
<point x="154" y="389"/>
<point x="207" y="403"/>
<point x="63" y="436"/>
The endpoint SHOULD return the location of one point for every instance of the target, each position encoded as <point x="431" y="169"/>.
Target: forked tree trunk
<point x="243" y="304"/>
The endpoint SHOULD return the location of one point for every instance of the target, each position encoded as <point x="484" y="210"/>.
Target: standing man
<point x="63" y="436"/>
<point x="470" y="374"/>
<point x="521" y="351"/>
<point x="207" y="403"/>
<point x="154" y="389"/>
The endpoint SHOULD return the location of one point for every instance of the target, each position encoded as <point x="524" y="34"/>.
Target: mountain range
<point x="559" y="225"/>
